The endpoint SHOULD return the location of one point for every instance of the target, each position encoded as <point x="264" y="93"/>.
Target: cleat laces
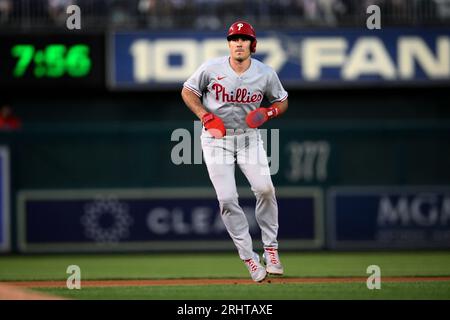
<point x="272" y="256"/>
<point x="252" y="265"/>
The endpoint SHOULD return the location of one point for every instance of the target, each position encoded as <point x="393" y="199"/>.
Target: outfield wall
<point x="340" y="185"/>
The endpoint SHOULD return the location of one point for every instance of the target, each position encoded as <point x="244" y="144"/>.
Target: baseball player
<point x="226" y="93"/>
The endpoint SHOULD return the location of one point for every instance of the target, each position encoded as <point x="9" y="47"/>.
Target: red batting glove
<point x="214" y="125"/>
<point x="257" y="117"/>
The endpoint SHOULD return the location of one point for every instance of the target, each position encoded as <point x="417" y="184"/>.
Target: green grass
<point x="316" y="291"/>
<point x="227" y="265"/>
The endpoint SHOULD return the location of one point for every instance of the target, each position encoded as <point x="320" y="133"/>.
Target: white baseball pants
<point x="247" y="150"/>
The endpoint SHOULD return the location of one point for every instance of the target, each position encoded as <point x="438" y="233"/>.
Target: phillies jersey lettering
<point x="242" y="95"/>
<point x="230" y="96"/>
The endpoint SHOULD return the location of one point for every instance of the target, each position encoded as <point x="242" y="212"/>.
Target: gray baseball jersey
<point x="230" y="96"/>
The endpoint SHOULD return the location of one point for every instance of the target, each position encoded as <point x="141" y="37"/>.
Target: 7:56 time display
<point x="54" y="60"/>
<point x="62" y="61"/>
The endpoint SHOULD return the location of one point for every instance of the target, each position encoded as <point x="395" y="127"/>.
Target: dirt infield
<point x="12" y="292"/>
<point x="178" y="282"/>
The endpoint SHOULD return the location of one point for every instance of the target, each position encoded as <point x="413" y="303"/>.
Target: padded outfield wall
<point x="340" y="185"/>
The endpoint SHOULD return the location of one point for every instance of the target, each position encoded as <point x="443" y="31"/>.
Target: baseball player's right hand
<point x="214" y="125"/>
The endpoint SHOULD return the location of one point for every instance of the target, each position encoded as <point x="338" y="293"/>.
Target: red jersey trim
<point x="281" y="100"/>
<point x="193" y="90"/>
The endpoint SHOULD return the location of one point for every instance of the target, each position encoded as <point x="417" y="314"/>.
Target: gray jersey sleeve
<point x="274" y="90"/>
<point x="198" y="81"/>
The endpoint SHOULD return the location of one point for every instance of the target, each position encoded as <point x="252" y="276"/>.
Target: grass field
<point x="228" y="266"/>
<point x="333" y="291"/>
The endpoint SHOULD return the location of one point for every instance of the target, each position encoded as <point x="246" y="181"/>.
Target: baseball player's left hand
<point x="257" y="117"/>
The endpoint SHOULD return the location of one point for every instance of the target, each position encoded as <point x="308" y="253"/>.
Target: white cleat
<point x="272" y="261"/>
<point x="257" y="271"/>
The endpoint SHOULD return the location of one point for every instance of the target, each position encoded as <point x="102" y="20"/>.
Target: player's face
<point x="239" y="48"/>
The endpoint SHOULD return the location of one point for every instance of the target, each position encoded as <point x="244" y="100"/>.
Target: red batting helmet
<point x="243" y="28"/>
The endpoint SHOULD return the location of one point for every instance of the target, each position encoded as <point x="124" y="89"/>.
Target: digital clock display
<point x="54" y="61"/>
<point x="57" y="60"/>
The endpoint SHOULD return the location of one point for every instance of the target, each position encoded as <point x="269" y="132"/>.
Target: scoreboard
<point x="150" y="60"/>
